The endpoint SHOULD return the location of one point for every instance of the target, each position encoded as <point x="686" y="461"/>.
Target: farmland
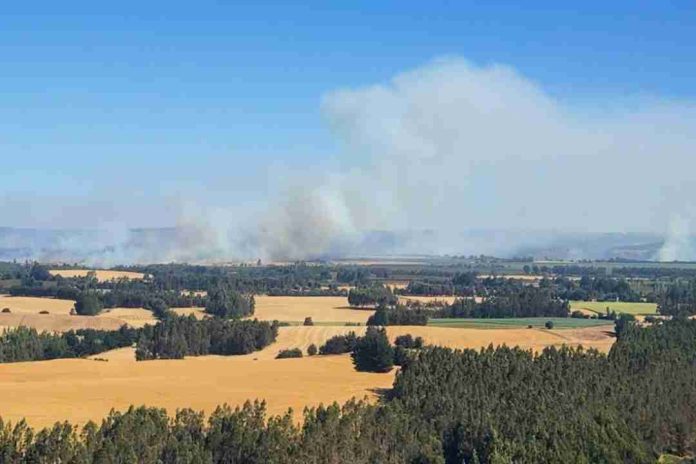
<point x="521" y="322"/>
<point x="81" y="390"/>
<point x="600" y="307"/>
<point x="319" y="308"/>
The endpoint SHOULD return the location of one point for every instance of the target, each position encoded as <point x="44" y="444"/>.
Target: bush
<point x="373" y="353"/>
<point x="6" y="310"/>
<point x="579" y="315"/>
<point x="291" y="353"/>
<point x="308" y="321"/>
<point x="339" y="344"/>
<point x="549" y="325"/>
<point x="312" y="350"/>
<point x="43" y="312"/>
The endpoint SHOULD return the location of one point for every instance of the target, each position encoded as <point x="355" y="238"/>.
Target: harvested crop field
<point x="34" y="305"/>
<point x="600" y="307"/>
<point x="134" y="317"/>
<point x="102" y="275"/>
<point x="520" y="322"/>
<point x="596" y="337"/>
<point x="319" y="308"/>
<point x="58" y="322"/>
<point x="79" y="390"/>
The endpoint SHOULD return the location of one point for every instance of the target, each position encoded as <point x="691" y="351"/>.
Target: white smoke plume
<point x="453" y="146"/>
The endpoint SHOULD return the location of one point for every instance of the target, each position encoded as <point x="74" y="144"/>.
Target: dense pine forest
<point x="497" y="405"/>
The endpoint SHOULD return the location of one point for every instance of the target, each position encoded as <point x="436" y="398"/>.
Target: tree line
<point x="26" y="344"/>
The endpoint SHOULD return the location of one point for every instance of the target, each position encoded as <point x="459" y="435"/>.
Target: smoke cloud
<point x="452" y="147"/>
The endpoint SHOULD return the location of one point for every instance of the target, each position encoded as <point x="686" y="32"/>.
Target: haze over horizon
<point x="292" y="131"/>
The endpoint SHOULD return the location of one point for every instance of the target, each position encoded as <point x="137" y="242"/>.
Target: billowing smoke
<point x="679" y="244"/>
<point x="449" y="148"/>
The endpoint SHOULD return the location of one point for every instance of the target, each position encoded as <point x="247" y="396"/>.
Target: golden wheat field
<point x="134" y="317"/>
<point x="34" y="305"/>
<point x="319" y="308"/>
<point x="534" y="339"/>
<point x="58" y="322"/>
<point x="101" y="275"/>
<point x="80" y="389"/>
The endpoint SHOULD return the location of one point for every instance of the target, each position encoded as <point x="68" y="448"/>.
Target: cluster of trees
<point x="678" y="299"/>
<point x="26" y="344"/>
<point x="339" y="344"/>
<point x="596" y="288"/>
<point x="179" y="336"/>
<point x="369" y="296"/>
<point x="400" y="315"/>
<point x="227" y="303"/>
<point x="523" y="301"/>
<point x="482" y="407"/>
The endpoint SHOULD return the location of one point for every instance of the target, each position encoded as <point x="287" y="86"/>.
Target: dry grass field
<point x="102" y="275"/>
<point x="534" y="339"/>
<point x="134" y="317"/>
<point x="319" y="308"/>
<point x="58" y="322"/>
<point x="34" y="305"/>
<point x="79" y="390"/>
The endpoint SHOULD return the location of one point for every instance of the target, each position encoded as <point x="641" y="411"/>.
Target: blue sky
<point x="137" y="103"/>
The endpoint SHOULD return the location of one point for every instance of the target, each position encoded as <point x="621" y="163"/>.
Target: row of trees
<point x="370" y="296"/>
<point x="179" y="336"/>
<point x="400" y="315"/>
<point x="524" y="301"/>
<point x="26" y="344"/>
<point x="490" y="406"/>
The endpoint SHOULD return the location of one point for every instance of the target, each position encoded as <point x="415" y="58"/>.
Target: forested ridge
<point x="447" y="406"/>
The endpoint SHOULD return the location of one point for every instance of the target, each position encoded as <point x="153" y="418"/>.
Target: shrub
<point x="43" y="312"/>
<point x="578" y="315"/>
<point x="291" y="353"/>
<point x="312" y="350"/>
<point x="308" y="321"/>
<point x="373" y="353"/>
<point x="549" y="325"/>
<point x="6" y="310"/>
